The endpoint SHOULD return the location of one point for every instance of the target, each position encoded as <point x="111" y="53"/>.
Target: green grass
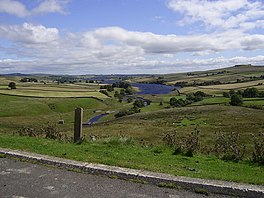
<point x="17" y="112"/>
<point x="191" y="121"/>
<point x="131" y="155"/>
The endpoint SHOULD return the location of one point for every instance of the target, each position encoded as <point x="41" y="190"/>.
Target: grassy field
<point x="124" y="152"/>
<point x="219" y="89"/>
<point x="17" y="112"/>
<point x="224" y="75"/>
<point x="151" y="127"/>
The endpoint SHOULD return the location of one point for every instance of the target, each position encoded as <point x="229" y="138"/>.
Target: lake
<point x="153" y="89"/>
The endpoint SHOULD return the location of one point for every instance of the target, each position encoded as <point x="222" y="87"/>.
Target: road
<point x="25" y="180"/>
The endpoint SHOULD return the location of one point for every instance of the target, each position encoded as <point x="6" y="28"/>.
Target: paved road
<point x="22" y="179"/>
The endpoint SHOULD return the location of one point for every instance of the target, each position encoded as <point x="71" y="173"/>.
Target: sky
<point x="129" y="36"/>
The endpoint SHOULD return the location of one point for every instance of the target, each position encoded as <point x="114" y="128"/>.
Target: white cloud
<point x="50" y="6"/>
<point x="114" y="49"/>
<point x="28" y="33"/>
<point x="222" y="14"/>
<point x="128" y="67"/>
<point x="45" y="6"/>
<point x="13" y="7"/>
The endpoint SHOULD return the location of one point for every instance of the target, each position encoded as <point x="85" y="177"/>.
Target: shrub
<point x="236" y="100"/>
<point x="186" y="146"/>
<point x="226" y="95"/>
<point x="104" y="92"/>
<point x="250" y="92"/>
<point x="227" y="147"/>
<point x="50" y="131"/>
<point x="27" y="131"/>
<point x="12" y="85"/>
<point x="258" y="153"/>
<point x="192" y="143"/>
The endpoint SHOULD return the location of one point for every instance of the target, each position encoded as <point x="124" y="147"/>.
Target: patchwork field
<point x="54" y="90"/>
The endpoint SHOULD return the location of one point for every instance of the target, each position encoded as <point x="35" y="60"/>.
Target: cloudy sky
<point x="129" y="36"/>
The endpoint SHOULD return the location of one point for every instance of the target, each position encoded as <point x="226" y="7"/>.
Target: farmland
<point x="34" y="104"/>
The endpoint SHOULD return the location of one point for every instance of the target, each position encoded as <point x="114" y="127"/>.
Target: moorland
<point x="209" y="124"/>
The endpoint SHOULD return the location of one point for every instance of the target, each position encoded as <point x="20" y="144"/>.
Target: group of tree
<point x="67" y="79"/>
<point x="247" y="93"/>
<point x="190" y="98"/>
<point x="122" y="93"/>
<point x="126" y="89"/>
<point x="107" y="87"/>
<point x="139" y="103"/>
<point x="91" y="81"/>
<point x="121" y="84"/>
<point x="237" y="96"/>
<point x="28" y="80"/>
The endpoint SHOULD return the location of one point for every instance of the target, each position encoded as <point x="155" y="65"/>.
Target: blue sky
<point x="129" y="36"/>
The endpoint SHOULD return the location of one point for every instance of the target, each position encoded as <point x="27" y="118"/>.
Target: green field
<point x="123" y="152"/>
<point x="53" y="91"/>
<point x="17" y="112"/>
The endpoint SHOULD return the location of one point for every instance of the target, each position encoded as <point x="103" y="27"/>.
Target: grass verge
<point x="131" y="155"/>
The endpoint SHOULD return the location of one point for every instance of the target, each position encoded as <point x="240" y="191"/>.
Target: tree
<point x="12" y="85"/>
<point x="129" y="100"/>
<point x="226" y="94"/>
<point x="139" y="103"/>
<point x="250" y="93"/>
<point x="236" y="100"/>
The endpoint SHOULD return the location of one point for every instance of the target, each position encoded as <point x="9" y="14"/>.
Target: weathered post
<point x="78" y="124"/>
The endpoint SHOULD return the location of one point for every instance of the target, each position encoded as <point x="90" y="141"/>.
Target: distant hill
<point x="15" y="74"/>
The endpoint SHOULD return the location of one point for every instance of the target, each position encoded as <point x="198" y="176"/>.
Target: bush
<point x="12" y="85"/>
<point x="258" y="153"/>
<point x="236" y="100"/>
<point x="250" y="93"/>
<point x="226" y="95"/>
<point x="139" y="103"/>
<point x="193" y="97"/>
<point x="104" y="92"/>
<point x="227" y="147"/>
<point x="50" y="131"/>
<point x="186" y="146"/>
<point x="192" y="143"/>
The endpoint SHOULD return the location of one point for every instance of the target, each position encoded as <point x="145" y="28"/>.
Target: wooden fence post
<point x="78" y="124"/>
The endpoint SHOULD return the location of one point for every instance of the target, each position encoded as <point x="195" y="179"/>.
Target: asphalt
<point x="123" y="174"/>
<point x="23" y="179"/>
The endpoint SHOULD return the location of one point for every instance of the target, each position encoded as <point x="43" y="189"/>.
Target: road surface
<point x="25" y="180"/>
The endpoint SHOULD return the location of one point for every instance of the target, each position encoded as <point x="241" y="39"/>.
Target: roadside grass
<point x="131" y="155"/>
